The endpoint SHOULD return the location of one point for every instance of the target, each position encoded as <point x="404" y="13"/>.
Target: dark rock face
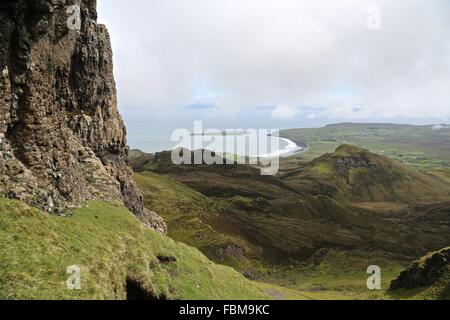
<point x="424" y="272"/>
<point x="62" y="140"/>
<point x="361" y="162"/>
<point x="347" y="157"/>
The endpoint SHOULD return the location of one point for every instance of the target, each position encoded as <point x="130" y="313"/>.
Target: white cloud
<point x="284" y="112"/>
<point x="284" y="53"/>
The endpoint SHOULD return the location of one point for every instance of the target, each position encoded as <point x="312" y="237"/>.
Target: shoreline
<point x="291" y="148"/>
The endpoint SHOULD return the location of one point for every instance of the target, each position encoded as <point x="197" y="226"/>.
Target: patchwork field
<point x="422" y="147"/>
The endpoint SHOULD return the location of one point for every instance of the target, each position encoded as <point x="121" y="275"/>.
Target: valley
<point x="83" y="217"/>
<point x="316" y="226"/>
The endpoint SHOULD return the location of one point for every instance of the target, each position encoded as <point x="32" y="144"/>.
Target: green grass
<point x="338" y="275"/>
<point x="109" y="245"/>
<point x="366" y="209"/>
<point x="190" y="216"/>
<point x="324" y="168"/>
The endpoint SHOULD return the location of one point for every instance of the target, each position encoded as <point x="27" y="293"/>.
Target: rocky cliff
<point x="62" y="140"/>
<point x="427" y="271"/>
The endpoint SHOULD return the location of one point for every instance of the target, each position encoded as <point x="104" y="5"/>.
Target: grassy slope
<point x="190" y="216"/>
<point x="297" y="214"/>
<point x="334" y="274"/>
<point x="210" y="207"/>
<point x="109" y="245"/>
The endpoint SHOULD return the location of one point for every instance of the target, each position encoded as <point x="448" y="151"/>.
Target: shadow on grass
<point x="404" y="294"/>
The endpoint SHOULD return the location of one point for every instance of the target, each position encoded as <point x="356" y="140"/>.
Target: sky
<point x="278" y="63"/>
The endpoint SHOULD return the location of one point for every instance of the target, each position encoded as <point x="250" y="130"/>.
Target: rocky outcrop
<point x="154" y="221"/>
<point x="424" y="272"/>
<point x="62" y="140"/>
<point x="347" y="157"/>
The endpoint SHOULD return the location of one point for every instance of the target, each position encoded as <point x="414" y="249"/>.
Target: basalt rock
<point x="424" y="272"/>
<point x="62" y="140"/>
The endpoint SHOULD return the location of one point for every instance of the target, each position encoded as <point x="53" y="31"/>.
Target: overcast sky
<point x="295" y="58"/>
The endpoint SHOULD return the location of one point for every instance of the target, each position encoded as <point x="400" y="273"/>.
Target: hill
<point x="64" y="160"/>
<point x="305" y="218"/>
<point x="355" y="174"/>
<point x="119" y="259"/>
<point x="424" y="147"/>
<point x="429" y="276"/>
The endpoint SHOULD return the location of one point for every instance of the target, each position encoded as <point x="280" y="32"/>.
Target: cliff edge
<point x="62" y="139"/>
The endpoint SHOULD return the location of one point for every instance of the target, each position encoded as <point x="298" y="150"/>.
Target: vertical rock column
<point x="62" y="139"/>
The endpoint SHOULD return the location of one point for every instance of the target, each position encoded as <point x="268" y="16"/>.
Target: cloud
<point x="284" y="112"/>
<point x="243" y="54"/>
